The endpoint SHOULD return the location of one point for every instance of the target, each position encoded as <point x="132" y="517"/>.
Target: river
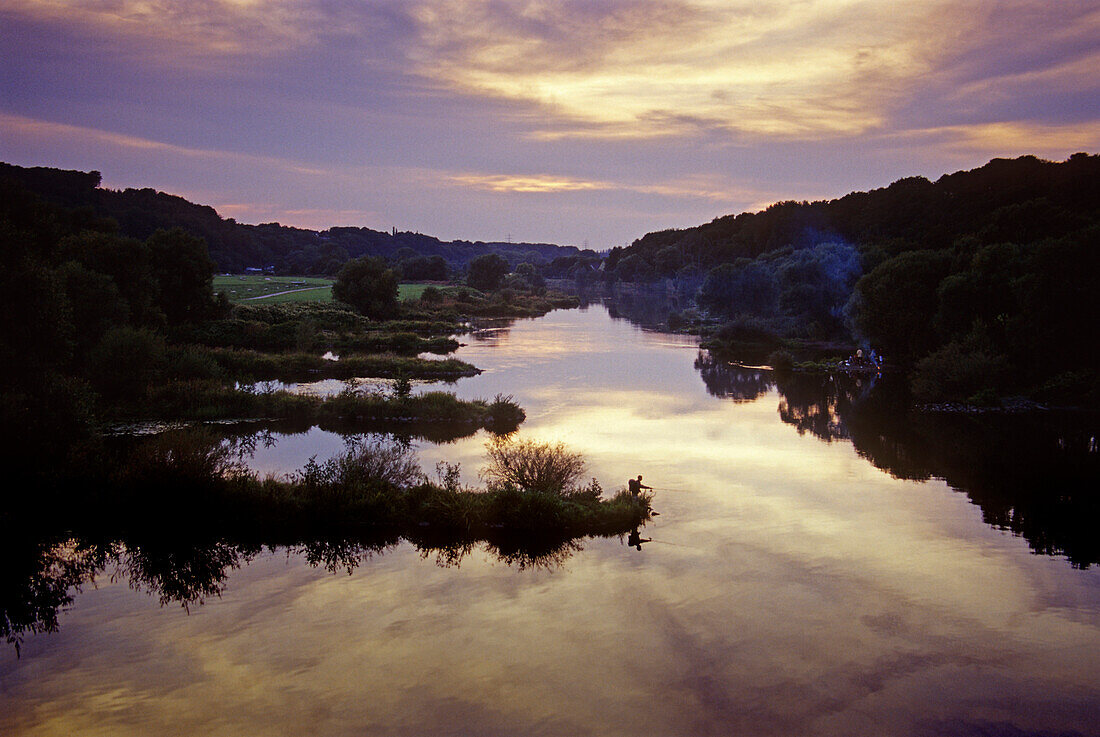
<point x="822" y="564"/>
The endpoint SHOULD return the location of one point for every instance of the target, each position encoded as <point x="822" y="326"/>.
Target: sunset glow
<point x="553" y="121"/>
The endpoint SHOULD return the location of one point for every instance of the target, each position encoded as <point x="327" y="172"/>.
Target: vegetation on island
<point x="375" y="485"/>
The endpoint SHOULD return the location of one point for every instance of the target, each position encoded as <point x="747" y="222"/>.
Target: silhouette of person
<point x="635" y="539"/>
<point x="636" y="486"/>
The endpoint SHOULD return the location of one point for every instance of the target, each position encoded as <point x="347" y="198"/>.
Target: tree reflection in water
<point x="1035" y="474"/>
<point x="40" y="579"/>
<point x="727" y="381"/>
<point x="179" y="570"/>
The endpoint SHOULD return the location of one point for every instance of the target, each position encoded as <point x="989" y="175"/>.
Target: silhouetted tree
<point x="368" y="286"/>
<point x="184" y="272"/>
<point x="486" y="272"/>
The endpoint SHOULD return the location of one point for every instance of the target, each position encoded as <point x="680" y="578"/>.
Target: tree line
<point x="983" y="283"/>
<point x="282" y="249"/>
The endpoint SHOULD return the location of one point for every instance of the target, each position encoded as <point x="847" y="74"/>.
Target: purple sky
<point x="566" y="121"/>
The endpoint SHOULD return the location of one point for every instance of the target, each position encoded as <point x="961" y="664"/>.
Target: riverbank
<point x="206" y="401"/>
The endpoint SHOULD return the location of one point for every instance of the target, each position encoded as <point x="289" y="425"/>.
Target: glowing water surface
<point x="790" y="588"/>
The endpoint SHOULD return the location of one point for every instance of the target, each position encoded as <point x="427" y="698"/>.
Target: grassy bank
<point x="374" y="486"/>
<point x="191" y="481"/>
<point x="315" y="327"/>
<point x="208" y="400"/>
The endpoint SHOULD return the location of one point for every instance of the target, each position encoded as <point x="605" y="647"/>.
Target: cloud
<point x="696" y="187"/>
<point x="811" y="70"/>
<point x="1008" y="138"/>
<point x="537" y="183"/>
<point x="194" y="30"/>
<point x="478" y="116"/>
<point x="641" y="69"/>
<point x="16" y="126"/>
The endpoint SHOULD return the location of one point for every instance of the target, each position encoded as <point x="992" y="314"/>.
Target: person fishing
<point x="636" y="486"/>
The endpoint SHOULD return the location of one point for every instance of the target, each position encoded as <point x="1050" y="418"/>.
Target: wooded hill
<point x="982" y="283"/>
<point x="235" y="246"/>
<point x="1020" y="200"/>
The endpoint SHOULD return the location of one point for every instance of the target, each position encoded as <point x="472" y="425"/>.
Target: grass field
<point x="269" y="289"/>
<point x="406" y="292"/>
<point x="257" y="287"/>
<point x="413" y="291"/>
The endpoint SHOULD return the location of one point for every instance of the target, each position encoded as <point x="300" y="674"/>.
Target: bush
<point x="531" y="465"/>
<point x="431" y="296"/>
<point x="465" y="296"/>
<point x="367" y="464"/>
<point x="402" y="386"/>
<point x="192" y="362"/>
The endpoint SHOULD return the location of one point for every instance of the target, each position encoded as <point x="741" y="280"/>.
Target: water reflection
<point x="635" y="539"/>
<point x="1035" y="475"/>
<point x="268" y="433"/>
<point x="790" y="587"/>
<point x="40" y="578"/>
<point x="727" y="381"/>
<point x="647" y="307"/>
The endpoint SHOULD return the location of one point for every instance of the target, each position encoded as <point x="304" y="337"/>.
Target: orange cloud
<point x="695" y="187"/>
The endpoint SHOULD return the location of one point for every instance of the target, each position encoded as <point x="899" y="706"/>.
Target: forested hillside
<point x="235" y="246"/>
<point x="982" y="283"/>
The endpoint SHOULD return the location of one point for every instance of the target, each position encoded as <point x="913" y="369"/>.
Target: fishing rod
<point x="666" y="488"/>
<point x="678" y="545"/>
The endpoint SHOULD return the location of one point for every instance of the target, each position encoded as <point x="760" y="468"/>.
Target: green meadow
<point x="271" y="289"/>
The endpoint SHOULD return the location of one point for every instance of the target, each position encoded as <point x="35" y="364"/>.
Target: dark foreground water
<point x="823" y="564"/>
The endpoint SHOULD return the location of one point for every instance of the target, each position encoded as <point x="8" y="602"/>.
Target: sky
<point x="574" y="122"/>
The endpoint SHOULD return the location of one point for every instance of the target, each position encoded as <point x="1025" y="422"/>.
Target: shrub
<point x="192" y="362"/>
<point x="531" y="465"/>
<point x="402" y="386"/>
<point x="367" y="464"/>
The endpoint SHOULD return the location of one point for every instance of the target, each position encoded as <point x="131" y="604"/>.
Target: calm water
<point x="822" y="565"/>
